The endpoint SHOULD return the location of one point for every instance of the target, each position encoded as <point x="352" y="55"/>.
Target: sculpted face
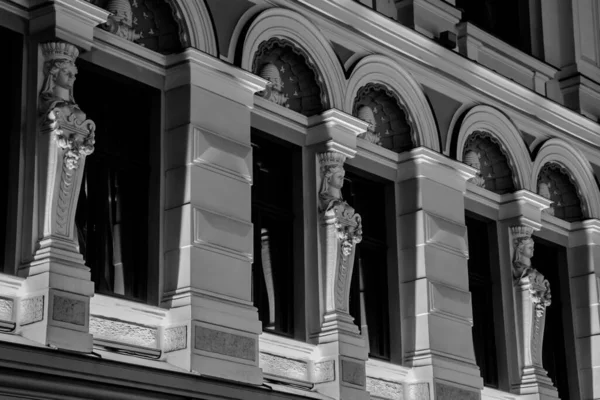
<point x="337" y="179"/>
<point x="66" y="76"/>
<point x="528" y="249"/>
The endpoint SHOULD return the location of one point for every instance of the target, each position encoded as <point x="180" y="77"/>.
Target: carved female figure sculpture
<point x="59" y="78"/>
<point x="539" y="287"/>
<point x="330" y="193"/>
<point x="472" y="159"/>
<point x="57" y="105"/>
<point x="524" y="248"/>
<point x="274" y="91"/>
<point x="366" y="114"/>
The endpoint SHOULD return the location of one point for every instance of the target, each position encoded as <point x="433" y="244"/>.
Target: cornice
<point x="197" y="68"/>
<point x="426" y="163"/>
<point x="70" y="20"/>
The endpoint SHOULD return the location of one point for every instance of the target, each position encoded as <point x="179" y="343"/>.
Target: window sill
<point x="493" y="53"/>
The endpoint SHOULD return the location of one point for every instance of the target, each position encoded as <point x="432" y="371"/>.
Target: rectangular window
<point x="119" y="199"/>
<point x="508" y="20"/>
<point x="482" y="288"/>
<point x="9" y="151"/>
<point x="369" y="290"/>
<point x="276" y="174"/>
<point x="551" y="260"/>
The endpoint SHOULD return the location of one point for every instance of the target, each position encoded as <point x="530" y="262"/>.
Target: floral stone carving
<point x="341" y="230"/>
<point x="532" y="296"/>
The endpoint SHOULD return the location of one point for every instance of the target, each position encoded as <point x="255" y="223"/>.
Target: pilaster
<point x="584" y="270"/>
<point x="433" y="252"/>
<point x="332" y="138"/>
<point x="526" y="293"/>
<point x="54" y="305"/>
<point x="208" y="228"/>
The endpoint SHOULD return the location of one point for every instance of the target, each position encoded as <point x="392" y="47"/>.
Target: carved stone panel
<point x="282" y="366"/>
<point x="225" y="343"/>
<point x="6" y="309"/>
<point x="69" y="310"/>
<point x="324" y="371"/>
<point x="446" y="392"/>
<point x="418" y="391"/>
<point x="353" y="372"/>
<point x="31" y="310"/>
<point x="380" y="389"/>
<point x="175" y="339"/>
<point x="125" y="332"/>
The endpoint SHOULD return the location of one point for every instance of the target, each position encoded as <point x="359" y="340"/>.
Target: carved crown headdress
<point x="59" y="50"/>
<point x="521" y="231"/>
<point x="331" y="158"/>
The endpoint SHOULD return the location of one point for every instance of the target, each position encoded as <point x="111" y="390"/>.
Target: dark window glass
<point x="118" y="193"/>
<point x="508" y="20"/>
<point x="369" y="291"/>
<point x="9" y="151"/>
<point x="274" y="179"/>
<point x="551" y="260"/>
<point x="481" y="287"/>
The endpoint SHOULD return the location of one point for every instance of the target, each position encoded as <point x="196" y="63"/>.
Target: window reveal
<point x="369" y="291"/>
<point x="116" y="195"/>
<point x="273" y="218"/>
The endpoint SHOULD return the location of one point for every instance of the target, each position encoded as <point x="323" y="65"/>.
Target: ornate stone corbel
<point x="72" y="136"/>
<point x="532" y="294"/>
<point x="341" y="230"/>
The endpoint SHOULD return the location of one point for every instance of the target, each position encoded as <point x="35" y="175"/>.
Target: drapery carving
<point x="341" y="230"/>
<point x="532" y="294"/>
<point x="71" y="137"/>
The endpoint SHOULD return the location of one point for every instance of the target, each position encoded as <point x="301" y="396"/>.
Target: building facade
<point x="308" y="199"/>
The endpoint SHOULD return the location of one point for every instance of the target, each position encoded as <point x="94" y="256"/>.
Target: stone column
<point x="584" y="270"/>
<point x="213" y="324"/>
<point x="54" y="309"/>
<point x="339" y="366"/>
<point x="433" y="250"/>
<point x="525" y="293"/>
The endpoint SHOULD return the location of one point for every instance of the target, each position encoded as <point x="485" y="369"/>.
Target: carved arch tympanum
<point x="500" y="130"/>
<point x="296" y="82"/>
<point x="390" y="125"/>
<point x="165" y="26"/>
<point x="555" y="161"/>
<point x="376" y="71"/>
<point x="293" y="28"/>
<point x="484" y="152"/>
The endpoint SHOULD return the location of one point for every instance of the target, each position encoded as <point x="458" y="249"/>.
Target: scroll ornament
<point x="539" y="287"/>
<point x="60" y="114"/>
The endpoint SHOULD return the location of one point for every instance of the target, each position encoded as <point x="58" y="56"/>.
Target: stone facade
<point x="452" y="115"/>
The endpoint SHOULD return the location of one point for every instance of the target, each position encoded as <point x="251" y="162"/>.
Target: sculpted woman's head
<point x="59" y="78"/>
